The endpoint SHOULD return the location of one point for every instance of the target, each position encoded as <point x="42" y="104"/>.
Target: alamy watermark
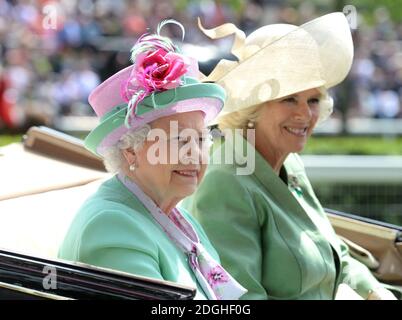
<point x="49" y="21"/>
<point x="50" y="279"/>
<point x="189" y="146"/>
<point x="351" y="15"/>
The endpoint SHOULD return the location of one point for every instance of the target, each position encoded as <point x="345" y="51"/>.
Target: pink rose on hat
<point x="154" y="71"/>
<point x="160" y="70"/>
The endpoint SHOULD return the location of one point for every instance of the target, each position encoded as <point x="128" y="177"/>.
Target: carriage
<point x="46" y="177"/>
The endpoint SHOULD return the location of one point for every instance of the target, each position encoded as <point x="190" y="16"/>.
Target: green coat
<point x="274" y="239"/>
<point x="114" y="230"/>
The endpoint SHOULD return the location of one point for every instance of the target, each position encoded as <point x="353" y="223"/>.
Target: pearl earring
<point x="132" y="167"/>
<point x="250" y="125"/>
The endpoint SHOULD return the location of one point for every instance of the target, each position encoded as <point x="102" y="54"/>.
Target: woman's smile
<point x="299" y="132"/>
<point x="187" y="173"/>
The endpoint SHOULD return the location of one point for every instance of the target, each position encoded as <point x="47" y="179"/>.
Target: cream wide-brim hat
<point x="281" y="59"/>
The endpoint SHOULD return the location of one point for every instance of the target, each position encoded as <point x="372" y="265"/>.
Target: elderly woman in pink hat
<point x="152" y="135"/>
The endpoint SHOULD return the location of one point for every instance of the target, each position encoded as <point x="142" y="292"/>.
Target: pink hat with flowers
<point x="161" y="82"/>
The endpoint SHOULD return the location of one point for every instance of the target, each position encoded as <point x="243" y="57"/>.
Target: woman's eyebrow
<point x="316" y="96"/>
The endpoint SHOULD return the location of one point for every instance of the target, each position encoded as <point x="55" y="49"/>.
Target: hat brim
<point x="317" y="54"/>
<point x="205" y="97"/>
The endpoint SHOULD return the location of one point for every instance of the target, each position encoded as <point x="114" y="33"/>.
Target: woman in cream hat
<point x="270" y="230"/>
<point x="150" y="111"/>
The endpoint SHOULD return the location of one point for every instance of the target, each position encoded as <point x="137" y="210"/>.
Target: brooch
<point x="294" y="184"/>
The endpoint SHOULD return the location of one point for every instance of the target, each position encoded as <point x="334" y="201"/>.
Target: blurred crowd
<point x="53" y="53"/>
<point x="377" y="71"/>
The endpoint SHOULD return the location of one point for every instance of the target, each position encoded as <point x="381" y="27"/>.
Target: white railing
<point x="353" y="169"/>
<point x="361" y="126"/>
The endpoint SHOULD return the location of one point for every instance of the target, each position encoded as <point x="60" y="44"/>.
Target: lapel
<point x="280" y="192"/>
<point x="271" y="183"/>
<point x="130" y="199"/>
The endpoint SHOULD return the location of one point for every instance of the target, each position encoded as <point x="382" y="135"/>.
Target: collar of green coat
<point x="126" y="197"/>
<point x="238" y="148"/>
<point x="273" y="184"/>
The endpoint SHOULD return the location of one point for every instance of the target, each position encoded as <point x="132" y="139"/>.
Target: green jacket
<point x="275" y="239"/>
<point x="114" y="230"/>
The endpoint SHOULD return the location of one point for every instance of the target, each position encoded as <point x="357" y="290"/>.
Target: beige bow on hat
<point x="281" y="59"/>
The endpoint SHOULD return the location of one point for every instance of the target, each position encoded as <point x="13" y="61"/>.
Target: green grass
<point x="7" y="139"/>
<point x="354" y="145"/>
<point x="318" y="145"/>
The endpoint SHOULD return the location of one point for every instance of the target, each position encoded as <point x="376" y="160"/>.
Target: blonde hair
<point x="240" y="119"/>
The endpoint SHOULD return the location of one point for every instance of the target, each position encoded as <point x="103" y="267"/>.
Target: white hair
<point x="113" y="157"/>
